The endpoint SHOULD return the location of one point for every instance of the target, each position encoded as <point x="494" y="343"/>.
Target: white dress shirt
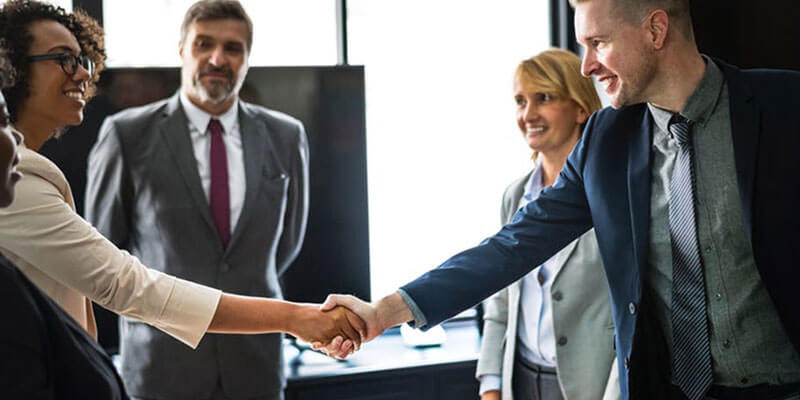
<point x="201" y="142"/>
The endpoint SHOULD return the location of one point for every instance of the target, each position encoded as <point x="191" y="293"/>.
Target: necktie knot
<point x="680" y="129"/>
<point x="214" y="127"/>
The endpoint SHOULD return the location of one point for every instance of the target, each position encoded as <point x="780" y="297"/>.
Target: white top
<point x="201" y="142"/>
<point x="67" y="258"/>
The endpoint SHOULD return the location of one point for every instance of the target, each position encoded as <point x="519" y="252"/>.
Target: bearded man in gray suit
<point x="209" y="188"/>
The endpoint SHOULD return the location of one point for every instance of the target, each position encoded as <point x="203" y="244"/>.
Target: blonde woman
<point x="549" y="335"/>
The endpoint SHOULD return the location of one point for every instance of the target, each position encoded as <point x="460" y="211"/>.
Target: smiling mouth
<point x="535" y="130"/>
<point x="75" y="95"/>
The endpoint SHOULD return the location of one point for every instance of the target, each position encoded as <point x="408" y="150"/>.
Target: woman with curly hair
<point x="45" y="354"/>
<point x="57" y="57"/>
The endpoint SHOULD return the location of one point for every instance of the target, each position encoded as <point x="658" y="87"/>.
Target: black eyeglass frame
<point x="68" y="62"/>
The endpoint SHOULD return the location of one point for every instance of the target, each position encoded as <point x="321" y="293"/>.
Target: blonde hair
<point x="557" y="72"/>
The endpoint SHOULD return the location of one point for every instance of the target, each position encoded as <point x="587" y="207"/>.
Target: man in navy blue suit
<point x="691" y="183"/>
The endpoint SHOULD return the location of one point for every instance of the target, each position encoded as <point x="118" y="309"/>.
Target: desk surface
<point x="387" y="352"/>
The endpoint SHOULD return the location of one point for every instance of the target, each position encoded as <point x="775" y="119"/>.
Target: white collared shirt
<point x="535" y="324"/>
<point x="201" y="143"/>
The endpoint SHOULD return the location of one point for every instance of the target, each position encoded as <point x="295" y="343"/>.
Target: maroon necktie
<point x="219" y="193"/>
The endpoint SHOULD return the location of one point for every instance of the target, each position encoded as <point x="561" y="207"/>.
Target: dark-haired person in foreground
<point x="692" y="184"/>
<point x="44" y="354"/>
<point x="226" y="183"/>
<point x="56" y="57"/>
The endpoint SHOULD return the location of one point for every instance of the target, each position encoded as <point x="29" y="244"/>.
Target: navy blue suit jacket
<point x="606" y="184"/>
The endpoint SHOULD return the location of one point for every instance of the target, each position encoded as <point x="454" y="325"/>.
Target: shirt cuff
<point x="490" y="382"/>
<point x="419" y="321"/>
<point x="189" y="311"/>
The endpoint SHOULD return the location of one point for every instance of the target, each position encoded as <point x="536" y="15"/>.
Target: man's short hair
<point x="205" y="10"/>
<point x="633" y="11"/>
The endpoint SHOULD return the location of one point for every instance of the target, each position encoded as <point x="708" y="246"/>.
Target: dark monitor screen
<point x="330" y="102"/>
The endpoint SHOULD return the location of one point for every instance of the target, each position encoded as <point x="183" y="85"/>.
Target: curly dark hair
<point x="16" y="16"/>
<point x="6" y="70"/>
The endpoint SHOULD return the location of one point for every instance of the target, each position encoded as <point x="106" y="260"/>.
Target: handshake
<point x="340" y="325"/>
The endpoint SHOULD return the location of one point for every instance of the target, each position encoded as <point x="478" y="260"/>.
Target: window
<point x="442" y="141"/>
<point x="297" y="32"/>
<point x="65" y="4"/>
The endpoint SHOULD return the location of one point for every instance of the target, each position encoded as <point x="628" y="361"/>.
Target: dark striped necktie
<point x="691" y="363"/>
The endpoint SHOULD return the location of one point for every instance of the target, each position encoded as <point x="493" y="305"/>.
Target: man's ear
<point x="180" y="48"/>
<point x="657" y="25"/>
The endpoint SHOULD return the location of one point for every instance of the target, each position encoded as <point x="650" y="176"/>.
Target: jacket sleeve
<point x="296" y="215"/>
<point x="41" y="230"/>
<point x="495" y="317"/>
<point x="495" y="324"/>
<point x="109" y="192"/>
<point x="558" y="216"/>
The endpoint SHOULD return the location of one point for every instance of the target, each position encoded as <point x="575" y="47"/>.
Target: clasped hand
<point x="338" y="329"/>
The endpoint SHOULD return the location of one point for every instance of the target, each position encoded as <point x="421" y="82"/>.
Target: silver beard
<point x="217" y="95"/>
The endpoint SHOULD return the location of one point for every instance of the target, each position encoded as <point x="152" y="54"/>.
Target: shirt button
<point x="743" y="380"/>
<point x="718" y="296"/>
<point x="632" y="308"/>
<point x="557" y="296"/>
<point x="726" y="344"/>
<point x="627" y="363"/>
<point x="224" y="267"/>
<point x="562" y="341"/>
<point x="540" y="277"/>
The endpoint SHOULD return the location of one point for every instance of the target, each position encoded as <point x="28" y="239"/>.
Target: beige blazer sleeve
<point x="68" y="259"/>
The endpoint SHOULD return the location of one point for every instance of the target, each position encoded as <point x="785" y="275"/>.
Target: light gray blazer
<point x="582" y="322"/>
<point x="144" y="194"/>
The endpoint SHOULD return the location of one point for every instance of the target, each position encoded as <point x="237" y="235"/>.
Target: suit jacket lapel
<point x="745" y="123"/>
<point x="639" y="170"/>
<point x="174" y="130"/>
<point x="562" y="257"/>
<point x="254" y="151"/>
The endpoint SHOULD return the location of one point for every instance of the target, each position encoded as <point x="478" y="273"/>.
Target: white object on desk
<point x="418" y="338"/>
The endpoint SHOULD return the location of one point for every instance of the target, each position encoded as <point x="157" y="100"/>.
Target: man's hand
<point x="491" y="395"/>
<point x="367" y="312"/>
<point x="386" y="313"/>
<point x="339" y="328"/>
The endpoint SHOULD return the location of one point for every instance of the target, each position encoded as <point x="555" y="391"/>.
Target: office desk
<point x="387" y="369"/>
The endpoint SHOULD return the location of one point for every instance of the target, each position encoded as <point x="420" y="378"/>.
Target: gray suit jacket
<point x="581" y="319"/>
<point x="144" y="193"/>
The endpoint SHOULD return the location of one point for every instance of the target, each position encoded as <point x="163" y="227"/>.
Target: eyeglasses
<point x="69" y="62"/>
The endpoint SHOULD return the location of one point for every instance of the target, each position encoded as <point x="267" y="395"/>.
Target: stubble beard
<point x="634" y="90"/>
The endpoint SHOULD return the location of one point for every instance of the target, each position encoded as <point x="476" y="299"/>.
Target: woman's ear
<point x="582" y="116"/>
